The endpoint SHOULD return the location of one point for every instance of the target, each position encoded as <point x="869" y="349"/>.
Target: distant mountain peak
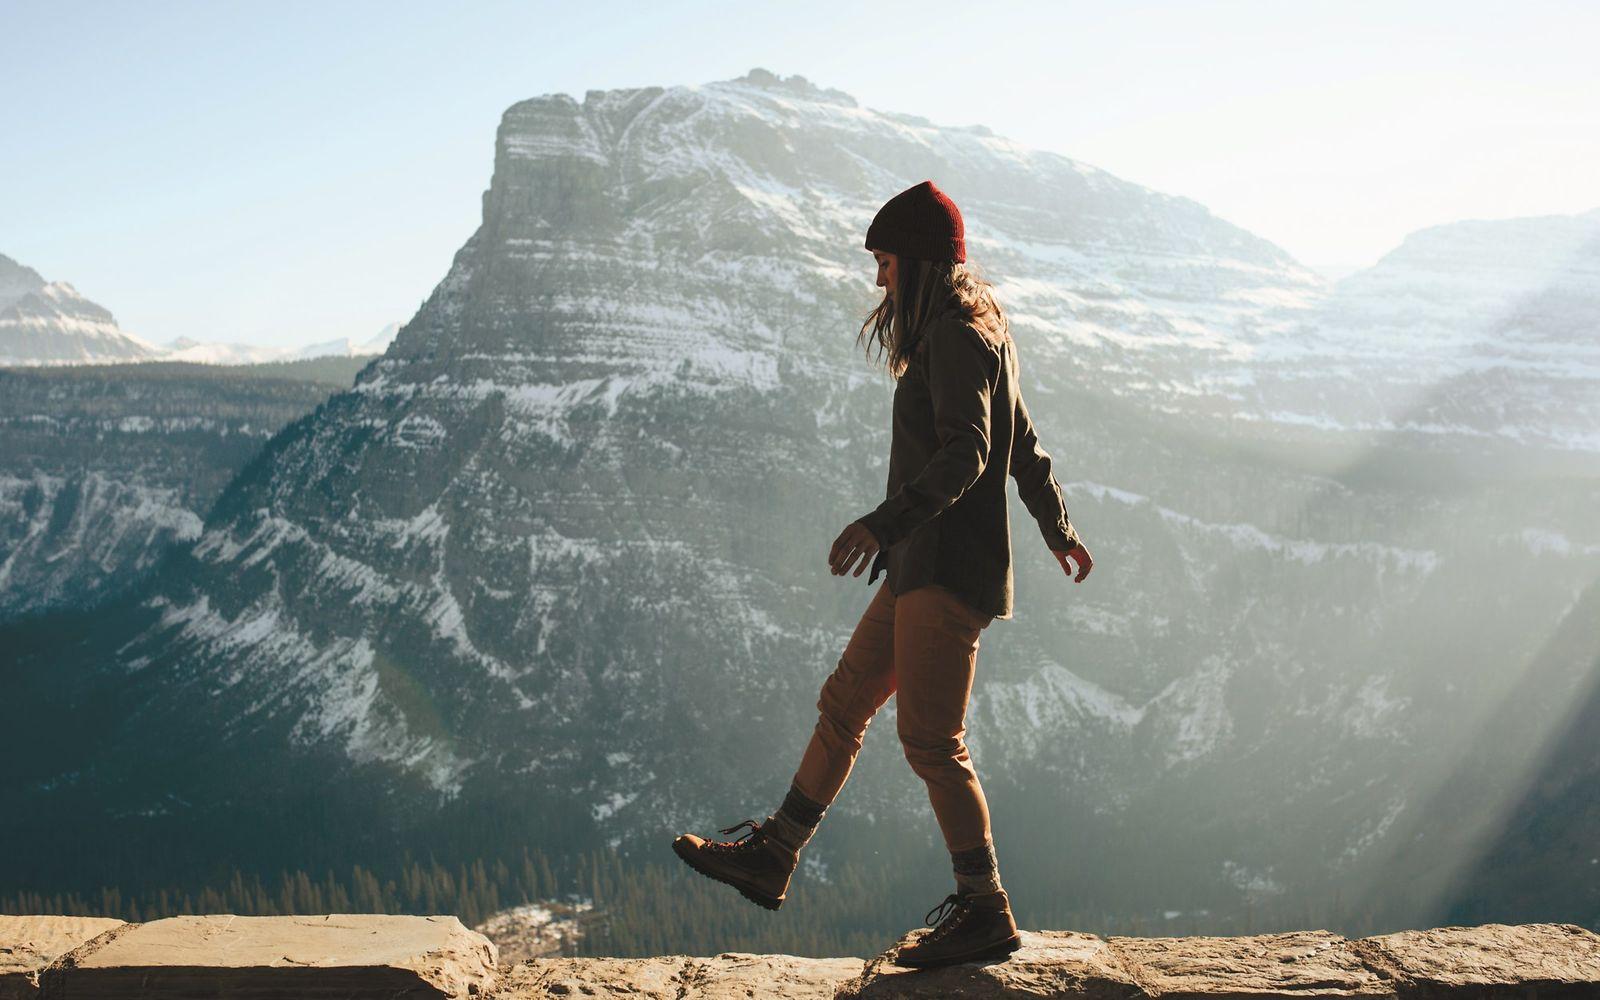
<point x="793" y="84"/>
<point x="50" y="322"/>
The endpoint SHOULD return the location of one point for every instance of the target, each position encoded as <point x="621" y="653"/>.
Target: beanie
<point x="920" y="222"/>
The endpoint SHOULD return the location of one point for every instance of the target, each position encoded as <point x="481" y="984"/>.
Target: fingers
<point x="854" y="543"/>
<point x="1085" y="563"/>
<point x="833" y="550"/>
<point x="1081" y="555"/>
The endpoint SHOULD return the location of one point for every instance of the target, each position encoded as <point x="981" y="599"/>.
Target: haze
<point x="288" y="173"/>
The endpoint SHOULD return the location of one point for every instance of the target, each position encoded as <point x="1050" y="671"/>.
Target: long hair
<point x="925" y="290"/>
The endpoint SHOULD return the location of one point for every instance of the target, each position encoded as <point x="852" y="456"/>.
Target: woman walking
<point x="960" y="427"/>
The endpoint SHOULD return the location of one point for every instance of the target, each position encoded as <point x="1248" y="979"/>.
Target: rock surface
<point x="678" y="977"/>
<point x="334" y="955"/>
<point x="343" y="955"/>
<point x="29" y="943"/>
<point x="1493" y="960"/>
<point x="1543" y="960"/>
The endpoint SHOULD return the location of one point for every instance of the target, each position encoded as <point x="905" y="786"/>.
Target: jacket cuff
<point x="882" y="529"/>
<point x="1062" y="537"/>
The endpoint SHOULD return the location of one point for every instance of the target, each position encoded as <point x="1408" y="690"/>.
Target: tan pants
<point x="925" y="643"/>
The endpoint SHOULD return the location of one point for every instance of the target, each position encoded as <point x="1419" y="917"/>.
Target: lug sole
<point x="754" y="895"/>
<point x="999" y="949"/>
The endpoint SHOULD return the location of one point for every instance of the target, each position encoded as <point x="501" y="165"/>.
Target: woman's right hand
<point x="1080" y="553"/>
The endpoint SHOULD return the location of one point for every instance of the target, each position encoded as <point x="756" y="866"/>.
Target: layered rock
<point x="104" y="468"/>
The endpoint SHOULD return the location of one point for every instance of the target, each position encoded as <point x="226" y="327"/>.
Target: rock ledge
<point x="347" y="955"/>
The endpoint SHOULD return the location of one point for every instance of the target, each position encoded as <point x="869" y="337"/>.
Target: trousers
<point x="922" y="648"/>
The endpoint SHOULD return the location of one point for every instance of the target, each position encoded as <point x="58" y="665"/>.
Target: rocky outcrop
<point x="29" y="943"/>
<point x="334" y="955"/>
<point x="678" y="977"/>
<point x="345" y="955"/>
<point x="1493" y="960"/>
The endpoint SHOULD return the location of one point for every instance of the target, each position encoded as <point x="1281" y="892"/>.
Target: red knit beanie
<point x="921" y="222"/>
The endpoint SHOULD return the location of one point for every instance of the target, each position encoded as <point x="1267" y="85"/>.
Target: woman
<point x="960" y="427"/>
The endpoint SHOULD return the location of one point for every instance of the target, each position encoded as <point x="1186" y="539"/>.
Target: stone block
<point x="29" y="943"/>
<point x="337" y="955"/>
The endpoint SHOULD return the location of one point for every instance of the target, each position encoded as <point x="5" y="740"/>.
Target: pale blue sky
<point x="291" y="172"/>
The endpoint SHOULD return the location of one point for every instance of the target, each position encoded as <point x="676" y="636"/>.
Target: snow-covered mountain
<point x="1471" y="330"/>
<point x="104" y="467"/>
<point x="553" y="569"/>
<point x="217" y="352"/>
<point x="49" y="322"/>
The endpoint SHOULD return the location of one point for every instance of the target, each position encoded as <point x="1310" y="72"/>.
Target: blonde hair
<point x="927" y="289"/>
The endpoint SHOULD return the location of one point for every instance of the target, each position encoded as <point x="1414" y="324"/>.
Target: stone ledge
<point x="336" y="955"/>
<point x="729" y="976"/>
<point x="28" y="944"/>
<point x="1529" y="961"/>
<point x="407" y="956"/>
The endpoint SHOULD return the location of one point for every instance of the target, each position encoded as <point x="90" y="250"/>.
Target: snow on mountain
<point x="345" y="347"/>
<point x="219" y="353"/>
<point x="1476" y="329"/>
<point x="49" y="322"/>
<point x="103" y="469"/>
<point x="216" y="352"/>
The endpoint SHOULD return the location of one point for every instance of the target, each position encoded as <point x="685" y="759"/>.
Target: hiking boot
<point x="967" y="927"/>
<point x="755" y="863"/>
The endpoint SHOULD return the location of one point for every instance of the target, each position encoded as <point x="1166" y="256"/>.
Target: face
<point x="888" y="271"/>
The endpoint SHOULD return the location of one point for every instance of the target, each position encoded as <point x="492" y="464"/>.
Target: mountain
<point x="1471" y="330"/>
<point x="185" y="349"/>
<point x="552" y="569"/>
<point x="50" y="322"/>
<point x="104" y="467"/>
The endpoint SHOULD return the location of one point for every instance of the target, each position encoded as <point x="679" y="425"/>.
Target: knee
<point x="923" y="750"/>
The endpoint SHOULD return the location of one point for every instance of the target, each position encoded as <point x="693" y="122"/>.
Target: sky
<point x="284" y="173"/>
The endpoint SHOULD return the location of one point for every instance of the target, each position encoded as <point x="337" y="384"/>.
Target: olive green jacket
<point x="960" y="427"/>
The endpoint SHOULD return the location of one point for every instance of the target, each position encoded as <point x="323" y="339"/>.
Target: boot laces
<point x="739" y="843"/>
<point x="954" y="907"/>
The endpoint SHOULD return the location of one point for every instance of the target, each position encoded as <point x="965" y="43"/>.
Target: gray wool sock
<point x="795" y="821"/>
<point x="977" y="870"/>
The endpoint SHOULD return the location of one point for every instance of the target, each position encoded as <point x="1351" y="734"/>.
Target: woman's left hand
<point x="853" y="542"/>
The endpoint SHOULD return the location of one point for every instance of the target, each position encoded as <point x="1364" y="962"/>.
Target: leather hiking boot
<point x="966" y="928"/>
<point x="755" y="863"/>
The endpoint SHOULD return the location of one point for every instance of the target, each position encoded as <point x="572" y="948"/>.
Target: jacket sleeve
<point x="1041" y="494"/>
<point x="962" y="370"/>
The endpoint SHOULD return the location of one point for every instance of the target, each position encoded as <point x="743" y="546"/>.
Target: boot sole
<point x="754" y="895"/>
<point x="1000" y="949"/>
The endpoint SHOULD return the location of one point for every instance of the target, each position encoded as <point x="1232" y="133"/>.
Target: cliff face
<point x="104" y="468"/>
